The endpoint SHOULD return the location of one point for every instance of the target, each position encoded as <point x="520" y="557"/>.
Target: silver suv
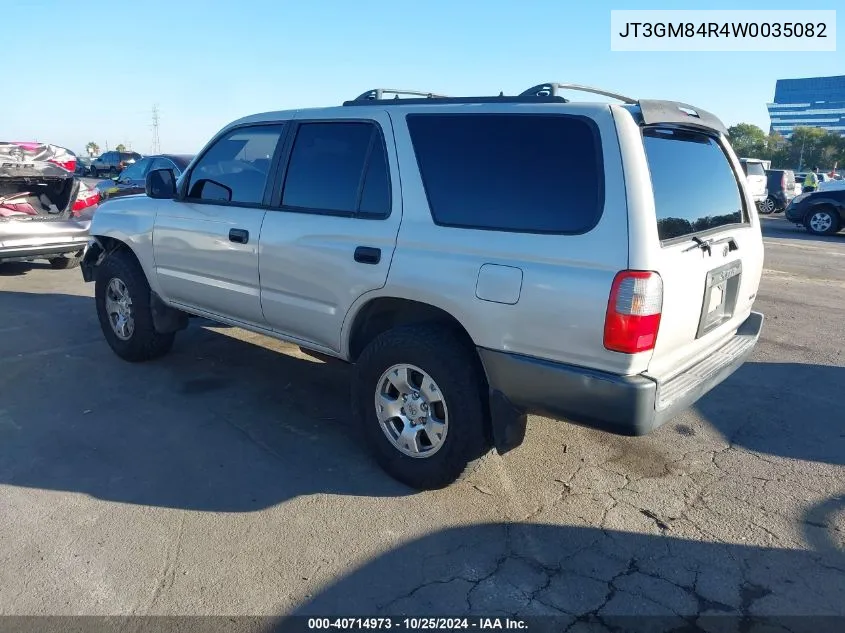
<point x="437" y="244"/>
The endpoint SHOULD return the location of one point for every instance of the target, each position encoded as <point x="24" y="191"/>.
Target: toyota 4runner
<point x="435" y="243"/>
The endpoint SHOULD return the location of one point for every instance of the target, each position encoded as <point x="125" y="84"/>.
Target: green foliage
<point x="819" y="147"/>
<point x="120" y="148"/>
<point x="92" y="148"/>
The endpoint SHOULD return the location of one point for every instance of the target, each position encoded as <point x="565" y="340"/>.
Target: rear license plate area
<point x="721" y="290"/>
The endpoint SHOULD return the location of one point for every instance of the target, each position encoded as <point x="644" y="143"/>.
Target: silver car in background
<point x="42" y="214"/>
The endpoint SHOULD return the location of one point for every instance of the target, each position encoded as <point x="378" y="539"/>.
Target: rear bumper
<point x="38" y="239"/>
<point x="625" y="405"/>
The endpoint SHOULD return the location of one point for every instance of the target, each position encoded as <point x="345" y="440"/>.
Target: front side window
<point x="236" y="167"/>
<point x="510" y="172"/>
<point x="338" y="167"/>
<point x="695" y="188"/>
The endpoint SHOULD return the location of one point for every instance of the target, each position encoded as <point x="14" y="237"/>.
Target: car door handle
<point x="367" y="255"/>
<point x="239" y="236"/>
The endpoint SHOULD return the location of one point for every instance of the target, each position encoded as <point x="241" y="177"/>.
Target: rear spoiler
<point x="654" y="112"/>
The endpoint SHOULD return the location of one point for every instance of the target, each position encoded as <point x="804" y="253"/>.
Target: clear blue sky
<point x="93" y="71"/>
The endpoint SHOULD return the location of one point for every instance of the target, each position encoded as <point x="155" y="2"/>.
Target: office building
<point x="811" y="102"/>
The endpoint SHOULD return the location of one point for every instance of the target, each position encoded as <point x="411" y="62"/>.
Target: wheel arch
<point x="505" y="423"/>
<point x="377" y="314"/>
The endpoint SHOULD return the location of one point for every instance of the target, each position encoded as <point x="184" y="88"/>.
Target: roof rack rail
<point x="552" y="89"/>
<point x="377" y="94"/>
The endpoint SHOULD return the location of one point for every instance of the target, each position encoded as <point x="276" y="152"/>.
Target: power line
<point x="156" y="142"/>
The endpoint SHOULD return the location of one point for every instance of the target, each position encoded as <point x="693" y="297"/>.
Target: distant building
<point x="811" y="102"/>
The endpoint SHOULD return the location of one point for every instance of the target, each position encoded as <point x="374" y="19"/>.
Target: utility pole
<point x="801" y="158"/>
<point x="156" y="142"/>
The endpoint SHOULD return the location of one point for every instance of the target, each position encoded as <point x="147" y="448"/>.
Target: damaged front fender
<point x="91" y="258"/>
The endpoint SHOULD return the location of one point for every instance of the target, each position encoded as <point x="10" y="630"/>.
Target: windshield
<point x="695" y="188"/>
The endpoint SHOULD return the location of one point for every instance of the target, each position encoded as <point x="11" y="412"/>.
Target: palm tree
<point x="92" y="148"/>
<point x="120" y="148"/>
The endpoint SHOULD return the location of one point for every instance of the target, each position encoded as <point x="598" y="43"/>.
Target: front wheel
<point x="418" y="396"/>
<point x="822" y="222"/>
<point x="122" y="295"/>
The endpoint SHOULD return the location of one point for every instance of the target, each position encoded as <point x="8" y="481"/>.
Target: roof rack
<point x="377" y="94"/>
<point x="377" y="97"/>
<point x="552" y="89"/>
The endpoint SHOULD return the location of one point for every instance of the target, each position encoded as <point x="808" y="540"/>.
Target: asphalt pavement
<point x="227" y="478"/>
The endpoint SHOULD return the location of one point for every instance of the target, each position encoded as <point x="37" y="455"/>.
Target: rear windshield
<point x="754" y="169"/>
<point x="695" y="189"/>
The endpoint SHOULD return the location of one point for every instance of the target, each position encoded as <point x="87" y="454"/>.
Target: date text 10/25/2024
<point x="416" y="624"/>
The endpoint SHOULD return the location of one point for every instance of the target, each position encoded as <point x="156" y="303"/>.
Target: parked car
<point x="755" y="176"/>
<point x="42" y="215"/>
<point x="112" y="163"/>
<point x="820" y="212"/>
<point x="467" y="293"/>
<point x="83" y="165"/>
<point x="132" y="180"/>
<point x="781" y="190"/>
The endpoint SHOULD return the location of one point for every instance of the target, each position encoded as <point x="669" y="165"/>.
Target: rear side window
<point x="338" y="167"/>
<point x="510" y="172"/>
<point x="695" y="188"/>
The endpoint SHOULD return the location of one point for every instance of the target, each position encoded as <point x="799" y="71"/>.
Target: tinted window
<point x="165" y="163"/>
<point x="508" y="171"/>
<point x="327" y="169"/>
<point x="375" y="195"/>
<point x="236" y="167"/>
<point x="136" y="171"/>
<point x="695" y="188"/>
<point x="754" y="169"/>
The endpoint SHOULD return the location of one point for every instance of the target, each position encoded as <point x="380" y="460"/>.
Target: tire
<point x="768" y="206"/>
<point x="143" y="342"/>
<point x="822" y="221"/>
<point x="66" y="262"/>
<point x="446" y="360"/>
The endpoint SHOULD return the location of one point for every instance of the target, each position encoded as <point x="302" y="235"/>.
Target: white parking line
<point x="804" y="247"/>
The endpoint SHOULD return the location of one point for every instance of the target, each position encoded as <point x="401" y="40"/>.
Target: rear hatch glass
<point x="710" y="259"/>
<point x="695" y="189"/>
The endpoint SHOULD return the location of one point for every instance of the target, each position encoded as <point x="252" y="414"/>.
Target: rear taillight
<point x="70" y="164"/>
<point x="783" y="182"/>
<point x="633" y="312"/>
<point x="87" y="198"/>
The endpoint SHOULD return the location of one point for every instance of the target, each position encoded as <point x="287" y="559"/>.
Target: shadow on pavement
<point x="13" y="269"/>
<point x="805" y="423"/>
<point x="589" y="574"/>
<point x="219" y="424"/>
<point x="778" y="227"/>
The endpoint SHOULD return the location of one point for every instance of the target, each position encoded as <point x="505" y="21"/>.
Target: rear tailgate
<point x="709" y="251"/>
<point x="755" y="176"/>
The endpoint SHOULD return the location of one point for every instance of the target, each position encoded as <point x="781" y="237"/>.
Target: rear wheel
<point x="822" y="221"/>
<point x="66" y="261"/>
<point x="418" y="397"/>
<point x="122" y="296"/>
<point x="768" y="206"/>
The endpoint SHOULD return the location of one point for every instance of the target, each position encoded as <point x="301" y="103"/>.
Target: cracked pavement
<point x="226" y="479"/>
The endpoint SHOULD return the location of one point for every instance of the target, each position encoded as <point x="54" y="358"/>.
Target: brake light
<point x="633" y="312"/>
<point x="783" y="181"/>
<point x="70" y="164"/>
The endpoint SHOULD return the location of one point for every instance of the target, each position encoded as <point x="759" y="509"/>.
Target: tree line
<point x="808" y="147"/>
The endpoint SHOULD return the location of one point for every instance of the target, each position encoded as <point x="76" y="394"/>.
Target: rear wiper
<point x="700" y="243"/>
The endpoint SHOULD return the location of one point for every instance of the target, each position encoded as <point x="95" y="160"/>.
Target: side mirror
<point x="161" y="184"/>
